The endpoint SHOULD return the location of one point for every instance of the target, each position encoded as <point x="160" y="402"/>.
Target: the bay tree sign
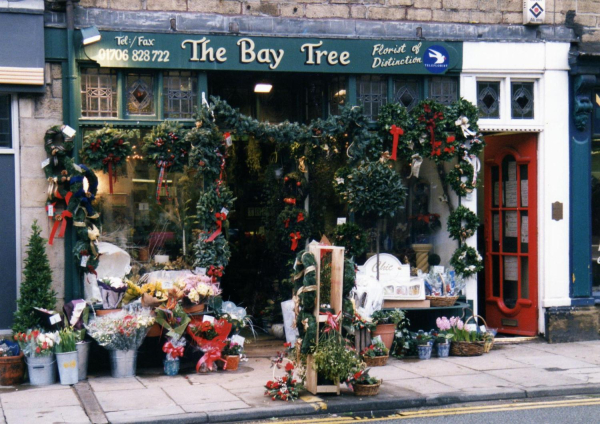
<point x="224" y="52"/>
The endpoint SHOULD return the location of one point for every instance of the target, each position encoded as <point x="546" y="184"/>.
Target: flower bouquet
<point x="152" y="294"/>
<point x="38" y="348"/>
<point x="211" y="339"/>
<point x="112" y="290"/>
<point x="174" y="350"/>
<point x="363" y="384"/>
<point x="284" y="388"/>
<point x="197" y="289"/>
<point x="376" y="354"/>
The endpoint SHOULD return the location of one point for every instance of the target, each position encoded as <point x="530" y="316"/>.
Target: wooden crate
<point x="337" y="283"/>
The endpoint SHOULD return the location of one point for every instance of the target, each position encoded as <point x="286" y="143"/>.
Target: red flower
<point x="37" y="350"/>
<point x="45" y="345"/>
<point x="287" y="345"/>
<point x="205" y="326"/>
<point x="357" y="375"/>
<point x="289" y="366"/>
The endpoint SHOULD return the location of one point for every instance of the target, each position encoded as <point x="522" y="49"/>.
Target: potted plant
<point x="375" y="355"/>
<point x="424" y="344"/>
<point x="443" y="337"/>
<point x="196" y="290"/>
<point x="112" y="290"/>
<point x="386" y="322"/>
<point x="464" y="341"/>
<point x="12" y="367"/>
<point x="66" y="357"/>
<point x="232" y="353"/>
<point x="174" y="350"/>
<point x="38" y="349"/>
<point x="363" y="384"/>
<point x="121" y="334"/>
<point x="334" y="359"/>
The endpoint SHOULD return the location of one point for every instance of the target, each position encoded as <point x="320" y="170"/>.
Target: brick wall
<point x="37" y="114"/>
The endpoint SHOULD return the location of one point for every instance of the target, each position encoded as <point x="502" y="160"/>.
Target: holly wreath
<point x="466" y="261"/>
<point x="429" y="134"/>
<point x="295" y="188"/>
<point x="462" y="223"/>
<point x="167" y="147"/>
<point x="461" y="178"/>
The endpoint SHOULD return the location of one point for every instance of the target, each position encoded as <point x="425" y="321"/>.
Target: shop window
<point x="488" y="99"/>
<point x="407" y="93"/>
<point x="443" y="90"/>
<point x="98" y="93"/>
<point x="371" y="93"/>
<point x="5" y="125"/>
<point x="180" y="95"/>
<point x="521" y="100"/>
<point x="596" y="213"/>
<point x="337" y="95"/>
<point x="140" y="94"/>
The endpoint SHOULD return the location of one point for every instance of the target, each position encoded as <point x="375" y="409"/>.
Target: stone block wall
<point x="37" y="113"/>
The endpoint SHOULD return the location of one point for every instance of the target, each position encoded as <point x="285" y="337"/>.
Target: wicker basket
<point x="489" y="344"/>
<point x="467" y="348"/>
<point x="441" y="301"/>
<point x="376" y="361"/>
<point x="366" y="389"/>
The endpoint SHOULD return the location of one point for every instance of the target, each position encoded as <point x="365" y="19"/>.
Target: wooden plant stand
<point x="337" y="282"/>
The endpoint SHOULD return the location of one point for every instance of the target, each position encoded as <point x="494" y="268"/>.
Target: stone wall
<point x="37" y="113"/>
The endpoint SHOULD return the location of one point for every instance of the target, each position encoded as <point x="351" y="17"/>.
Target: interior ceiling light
<point x="90" y="35"/>
<point x="263" y="87"/>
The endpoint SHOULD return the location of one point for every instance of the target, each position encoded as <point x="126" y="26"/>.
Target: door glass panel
<point x="524" y="232"/>
<point x="495" y="186"/>
<point x="510" y="232"/>
<point x="524" y="277"/>
<point x="495" y="232"/>
<point x="524" y="195"/>
<point x="496" y="275"/>
<point x="509" y="182"/>
<point x="510" y="289"/>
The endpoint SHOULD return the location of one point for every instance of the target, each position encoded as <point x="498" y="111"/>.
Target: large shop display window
<point x="596" y="214"/>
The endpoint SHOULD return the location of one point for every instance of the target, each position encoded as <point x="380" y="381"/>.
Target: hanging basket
<point x="376" y="361"/>
<point x="366" y="389"/>
<point x="441" y="301"/>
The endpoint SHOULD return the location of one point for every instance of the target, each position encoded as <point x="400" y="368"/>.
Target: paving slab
<point x="136" y="415"/>
<point x="137" y="399"/>
<point x="480" y="381"/>
<point x="215" y="406"/>
<point x="39" y="399"/>
<point x="553" y="361"/>
<point x="103" y="384"/>
<point x="424" y="386"/>
<point x="391" y="372"/>
<point x="528" y="378"/>
<point x="433" y="367"/>
<point x="54" y="414"/>
<point x="165" y="381"/>
<point x="200" y="394"/>
<point x="491" y="361"/>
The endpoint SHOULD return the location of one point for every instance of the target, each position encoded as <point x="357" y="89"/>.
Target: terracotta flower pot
<point x="233" y="362"/>
<point x="11" y="370"/>
<point x="387" y="332"/>
<point x="194" y="309"/>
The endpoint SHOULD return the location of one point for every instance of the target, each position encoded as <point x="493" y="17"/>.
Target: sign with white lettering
<point x="394" y="277"/>
<point x="226" y="52"/>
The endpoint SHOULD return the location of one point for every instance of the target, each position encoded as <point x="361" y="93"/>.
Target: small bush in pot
<point x="424" y="344"/>
<point x="386" y="322"/>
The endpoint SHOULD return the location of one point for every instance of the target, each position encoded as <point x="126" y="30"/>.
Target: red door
<point x="511" y="282"/>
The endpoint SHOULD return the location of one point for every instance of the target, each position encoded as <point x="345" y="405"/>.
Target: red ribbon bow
<point x="396" y="133"/>
<point x="172" y="351"/>
<point x="295" y="237"/>
<point x="300" y="217"/>
<point x="332" y="323"/>
<point x="286" y="222"/>
<point x="220" y="218"/>
<point x="209" y="358"/>
<point x="290" y="201"/>
<point x="59" y="221"/>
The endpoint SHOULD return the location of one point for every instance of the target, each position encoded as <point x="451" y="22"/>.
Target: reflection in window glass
<point x="140" y="94"/>
<point x="98" y="93"/>
<point x="443" y="90"/>
<point x="407" y="93"/>
<point x="180" y="94"/>
<point x="371" y="93"/>
<point x="5" y="126"/>
<point x="522" y="100"/>
<point x="596" y="213"/>
<point x="488" y="99"/>
<point x="337" y="95"/>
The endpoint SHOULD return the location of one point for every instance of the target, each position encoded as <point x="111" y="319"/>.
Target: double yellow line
<point x="428" y="413"/>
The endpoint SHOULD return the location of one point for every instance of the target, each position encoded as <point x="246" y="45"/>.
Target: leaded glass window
<point x="337" y="94"/>
<point x="98" y="93"/>
<point x="407" y="93"/>
<point x="521" y="104"/>
<point x="140" y="94"/>
<point x="5" y="125"/>
<point x="180" y="94"/>
<point x="371" y="93"/>
<point x="488" y="99"/>
<point x="443" y="90"/>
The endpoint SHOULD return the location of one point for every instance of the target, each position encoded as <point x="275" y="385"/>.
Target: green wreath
<point x="207" y="151"/>
<point x="292" y="228"/>
<point x="466" y="261"/>
<point x="457" y="229"/>
<point x="429" y="135"/>
<point x="295" y="187"/>
<point x="167" y="147"/>
<point x="454" y="178"/>
<point x="462" y="120"/>
<point x="215" y="253"/>
<point x="340" y="178"/>
<point x="352" y="238"/>
<point x="212" y="203"/>
<point x="395" y="114"/>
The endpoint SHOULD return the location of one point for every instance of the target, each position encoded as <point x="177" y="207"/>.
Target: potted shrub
<point x="232" y="353"/>
<point x="174" y="350"/>
<point x="11" y="363"/>
<point x="334" y="360"/>
<point x="38" y="349"/>
<point x="363" y="384"/>
<point x="424" y="344"/>
<point x="386" y="323"/>
<point x="66" y="357"/>
<point x="121" y="334"/>
<point x="375" y="355"/>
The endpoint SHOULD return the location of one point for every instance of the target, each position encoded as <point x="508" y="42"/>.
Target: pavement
<point x="509" y="371"/>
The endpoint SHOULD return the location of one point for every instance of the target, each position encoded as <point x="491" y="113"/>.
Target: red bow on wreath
<point x="286" y="222"/>
<point x="109" y="160"/>
<point x="59" y="221"/>
<point x="220" y="216"/>
<point x="396" y="133"/>
<point x="300" y="217"/>
<point x="295" y="237"/>
<point x="332" y="323"/>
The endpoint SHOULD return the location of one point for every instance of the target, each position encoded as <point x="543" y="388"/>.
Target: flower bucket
<point x="122" y="363"/>
<point x="387" y="332"/>
<point x="443" y="350"/>
<point x="171" y="367"/>
<point x="425" y="351"/>
<point x="83" y="355"/>
<point x="12" y="369"/>
<point x="67" y="368"/>
<point x="42" y="371"/>
<point x="233" y="362"/>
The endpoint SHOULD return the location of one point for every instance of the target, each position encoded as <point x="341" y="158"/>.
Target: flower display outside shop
<point x="124" y="330"/>
<point x="36" y="343"/>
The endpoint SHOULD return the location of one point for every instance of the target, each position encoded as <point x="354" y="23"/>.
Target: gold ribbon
<point x="296" y="299"/>
<point x="52" y="187"/>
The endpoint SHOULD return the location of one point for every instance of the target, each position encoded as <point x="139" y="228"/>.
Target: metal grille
<point x="98" y="93"/>
<point x="5" y="126"/>
<point x="444" y="90"/>
<point x="180" y="94"/>
<point x="522" y="100"/>
<point x="337" y="95"/>
<point x="407" y="93"/>
<point x="488" y="99"/>
<point x="371" y="93"/>
<point x="140" y="94"/>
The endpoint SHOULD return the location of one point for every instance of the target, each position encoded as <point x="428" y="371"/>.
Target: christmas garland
<point x="466" y="261"/>
<point x="207" y="150"/>
<point x="340" y="177"/>
<point x="214" y="253"/>
<point x="461" y="178"/>
<point x="462" y="120"/>
<point x="462" y="223"/>
<point x="352" y="238"/>
<point x="305" y="298"/>
<point x="166" y="146"/>
<point x="107" y="149"/>
<point x="429" y="134"/>
<point x="212" y="205"/>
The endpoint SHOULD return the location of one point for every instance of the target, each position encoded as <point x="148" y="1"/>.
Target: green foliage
<point x="394" y="316"/>
<point x="107" y="145"/>
<point x="211" y="203"/>
<point x="466" y="261"/>
<point x="215" y="253"/>
<point x="334" y="359"/>
<point x="207" y="149"/>
<point x="67" y="341"/>
<point x="292" y="220"/>
<point x="462" y="223"/>
<point x="352" y="238"/>
<point x="454" y="178"/>
<point x="457" y="110"/>
<point x="36" y="288"/>
<point x="167" y="146"/>
<point x="395" y="114"/>
<point x="429" y="134"/>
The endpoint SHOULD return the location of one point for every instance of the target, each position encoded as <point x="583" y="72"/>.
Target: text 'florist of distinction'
<point x="224" y="52"/>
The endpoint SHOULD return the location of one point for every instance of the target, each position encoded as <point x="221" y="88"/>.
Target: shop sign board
<point x="394" y="277"/>
<point x="277" y="54"/>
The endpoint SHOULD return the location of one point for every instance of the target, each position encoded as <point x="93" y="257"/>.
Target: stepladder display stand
<point x="336" y="298"/>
